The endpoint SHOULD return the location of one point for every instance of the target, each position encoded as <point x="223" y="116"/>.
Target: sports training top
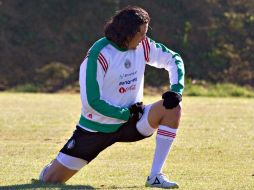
<point x="112" y="79"/>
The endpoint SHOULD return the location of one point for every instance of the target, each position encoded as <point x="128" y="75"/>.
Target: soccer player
<point x="111" y="88"/>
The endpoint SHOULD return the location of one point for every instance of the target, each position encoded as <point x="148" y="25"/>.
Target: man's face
<point x="139" y="36"/>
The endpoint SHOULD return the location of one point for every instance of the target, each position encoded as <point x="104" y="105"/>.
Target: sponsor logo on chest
<point x="128" y="81"/>
<point x="124" y="90"/>
<point x="125" y="75"/>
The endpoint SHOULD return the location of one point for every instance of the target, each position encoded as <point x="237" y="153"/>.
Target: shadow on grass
<point x="36" y="184"/>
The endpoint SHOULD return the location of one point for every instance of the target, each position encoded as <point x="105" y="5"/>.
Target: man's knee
<point x="159" y="115"/>
<point x="171" y="117"/>
<point x="176" y="112"/>
<point x="48" y="175"/>
<point x="53" y="178"/>
<point x="56" y="173"/>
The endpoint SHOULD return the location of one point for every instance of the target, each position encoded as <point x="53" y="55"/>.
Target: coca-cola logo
<point x="123" y="90"/>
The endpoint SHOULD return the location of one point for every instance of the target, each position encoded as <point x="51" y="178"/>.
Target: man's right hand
<point x="136" y="111"/>
<point x="171" y="99"/>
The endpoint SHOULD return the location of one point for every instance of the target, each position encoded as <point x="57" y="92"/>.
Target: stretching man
<point x="111" y="87"/>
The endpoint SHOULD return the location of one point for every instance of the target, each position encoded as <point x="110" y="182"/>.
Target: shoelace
<point x="164" y="177"/>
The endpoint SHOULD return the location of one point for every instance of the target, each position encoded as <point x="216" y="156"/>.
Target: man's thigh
<point x="129" y="132"/>
<point x="87" y="145"/>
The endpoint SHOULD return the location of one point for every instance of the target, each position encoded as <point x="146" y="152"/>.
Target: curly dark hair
<point x="123" y="26"/>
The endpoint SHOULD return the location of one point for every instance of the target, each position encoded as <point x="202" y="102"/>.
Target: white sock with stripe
<point x="164" y="139"/>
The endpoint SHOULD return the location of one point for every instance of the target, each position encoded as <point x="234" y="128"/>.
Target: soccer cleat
<point x="161" y="181"/>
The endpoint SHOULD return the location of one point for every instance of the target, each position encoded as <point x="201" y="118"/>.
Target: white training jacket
<point x="112" y="79"/>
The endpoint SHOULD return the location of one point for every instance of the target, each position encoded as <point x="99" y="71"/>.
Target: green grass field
<point x="214" y="149"/>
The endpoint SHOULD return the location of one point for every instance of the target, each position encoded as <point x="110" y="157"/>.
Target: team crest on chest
<point x="127" y="64"/>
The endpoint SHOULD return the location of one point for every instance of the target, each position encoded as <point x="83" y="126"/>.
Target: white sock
<point x="164" y="139"/>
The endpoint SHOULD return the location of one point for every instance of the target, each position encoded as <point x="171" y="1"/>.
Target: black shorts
<point x="87" y="145"/>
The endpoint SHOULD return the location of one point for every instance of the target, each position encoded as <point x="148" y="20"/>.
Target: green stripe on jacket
<point x="105" y="128"/>
<point x="92" y="86"/>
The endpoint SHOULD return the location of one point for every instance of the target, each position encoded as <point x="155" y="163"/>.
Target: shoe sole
<point x="173" y="187"/>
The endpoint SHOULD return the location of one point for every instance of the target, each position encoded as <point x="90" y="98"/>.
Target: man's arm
<point x="158" y="55"/>
<point x="90" y="87"/>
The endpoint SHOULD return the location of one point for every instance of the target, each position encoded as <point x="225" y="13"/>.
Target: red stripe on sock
<point x="166" y="133"/>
